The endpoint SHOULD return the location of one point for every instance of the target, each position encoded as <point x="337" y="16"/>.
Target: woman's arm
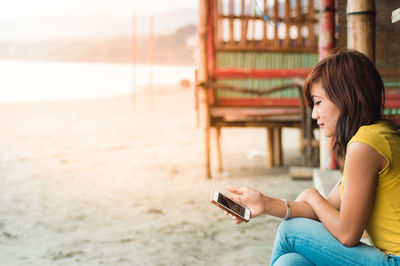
<point x="307" y="211"/>
<point x="347" y="224"/>
<point x="261" y="204"/>
<point x="344" y="218"/>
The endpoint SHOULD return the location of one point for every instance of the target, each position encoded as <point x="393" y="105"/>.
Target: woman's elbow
<point x="349" y="241"/>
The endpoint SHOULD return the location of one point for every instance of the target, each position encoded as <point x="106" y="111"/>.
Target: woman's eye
<point x="317" y="103"/>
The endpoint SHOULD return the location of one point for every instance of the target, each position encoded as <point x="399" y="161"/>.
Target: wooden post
<point x="218" y="24"/>
<point x="253" y="28"/>
<point x="326" y="39"/>
<point x="301" y="140"/>
<point x="230" y="12"/>
<point x="244" y="24"/>
<point x="361" y="18"/>
<point x="308" y="139"/>
<point x="133" y="58"/>
<point x="299" y="15"/>
<point x="270" y="147"/>
<point x="196" y="97"/>
<point x="276" y="18"/>
<point x="203" y="94"/>
<point x="286" y="42"/>
<point x="277" y="146"/>
<point x="150" y="61"/>
<point x="326" y="42"/>
<point x="218" y="144"/>
<point x="265" y="40"/>
<point x="310" y="25"/>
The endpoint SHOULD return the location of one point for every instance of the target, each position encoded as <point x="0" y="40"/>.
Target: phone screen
<point x="230" y="204"/>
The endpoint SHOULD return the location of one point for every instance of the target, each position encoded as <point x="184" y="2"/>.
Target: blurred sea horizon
<point x="37" y="81"/>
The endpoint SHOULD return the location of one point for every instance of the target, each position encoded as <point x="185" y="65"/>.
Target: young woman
<point x="346" y="94"/>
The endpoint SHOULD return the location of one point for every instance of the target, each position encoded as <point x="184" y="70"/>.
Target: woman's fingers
<point x="237" y="221"/>
<point x="237" y="190"/>
<point x="235" y="198"/>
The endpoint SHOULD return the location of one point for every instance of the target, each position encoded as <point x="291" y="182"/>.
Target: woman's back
<point x="383" y="226"/>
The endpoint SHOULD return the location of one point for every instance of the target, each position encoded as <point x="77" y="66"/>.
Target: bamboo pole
<point x="133" y="58"/>
<point x="326" y="39"/>
<point x="310" y="24"/>
<point x="253" y="31"/>
<point x="299" y="16"/>
<point x="243" y="32"/>
<point x="326" y="42"/>
<point x="247" y="22"/>
<point x="218" y="146"/>
<point x="276" y="17"/>
<point x="196" y="97"/>
<point x="265" y="40"/>
<point x="151" y="61"/>
<point x="308" y="131"/>
<point x="211" y="45"/>
<point x="231" y="14"/>
<point x="287" y="23"/>
<point x="361" y="16"/>
<point x="270" y="147"/>
<point x="218" y="22"/>
<point x="277" y="142"/>
<point x="203" y="95"/>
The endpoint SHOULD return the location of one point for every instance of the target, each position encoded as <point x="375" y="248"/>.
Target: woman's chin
<point x="327" y="133"/>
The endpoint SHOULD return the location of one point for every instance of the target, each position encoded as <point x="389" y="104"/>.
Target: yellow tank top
<point x="383" y="227"/>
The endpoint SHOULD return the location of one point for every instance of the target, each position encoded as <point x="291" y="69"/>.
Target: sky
<point x="118" y="8"/>
<point x="55" y="19"/>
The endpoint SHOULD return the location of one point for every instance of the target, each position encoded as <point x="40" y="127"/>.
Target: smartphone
<point x="230" y="206"/>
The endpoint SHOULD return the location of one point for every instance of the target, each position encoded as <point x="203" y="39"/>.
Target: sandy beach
<point x="94" y="182"/>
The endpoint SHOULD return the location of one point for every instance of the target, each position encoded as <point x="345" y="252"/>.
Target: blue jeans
<point x="301" y="241"/>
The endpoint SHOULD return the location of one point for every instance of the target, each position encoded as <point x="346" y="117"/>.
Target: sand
<point x="94" y="182"/>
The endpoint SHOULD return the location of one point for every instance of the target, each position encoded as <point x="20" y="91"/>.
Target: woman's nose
<point x="314" y="113"/>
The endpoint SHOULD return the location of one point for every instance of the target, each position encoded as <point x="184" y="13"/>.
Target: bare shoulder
<point x="361" y="155"/>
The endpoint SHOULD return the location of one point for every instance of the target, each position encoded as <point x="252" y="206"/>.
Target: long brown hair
<point x="353" y="84"/>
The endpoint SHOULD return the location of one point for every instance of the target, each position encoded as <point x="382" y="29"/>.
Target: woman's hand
<point x="251" y="198"/>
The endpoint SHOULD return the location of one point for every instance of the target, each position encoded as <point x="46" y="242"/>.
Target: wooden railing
<point x="265" y="25"/>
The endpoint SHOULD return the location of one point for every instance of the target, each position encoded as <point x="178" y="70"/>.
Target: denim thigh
<point x="312" y="240"/>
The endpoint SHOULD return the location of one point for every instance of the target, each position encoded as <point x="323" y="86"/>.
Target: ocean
<point x="33" y="81"/>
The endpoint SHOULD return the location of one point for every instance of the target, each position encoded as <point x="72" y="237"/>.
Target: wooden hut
<point x="252" y="54"/>
<point x="253" y="57"/>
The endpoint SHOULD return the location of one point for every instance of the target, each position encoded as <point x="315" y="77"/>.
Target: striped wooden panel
<point x="261" y="60"/>
<point x="391" y="111"/>
<point x="392" y="102"/>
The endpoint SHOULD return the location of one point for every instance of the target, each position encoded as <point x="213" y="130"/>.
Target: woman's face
<point x="324" y="111"/>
